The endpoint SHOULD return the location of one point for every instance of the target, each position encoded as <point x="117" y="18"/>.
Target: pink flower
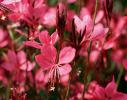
<point x="55" y="65"/>
<point x="108" y="93"/>
<point x="19" y="61"/>
<point x="26" y="10"/>
<point x="10" y="64"/>
<point x="49" y="18"/>
<point x="95" y="33"/>
<point x="44" y="38"/>
<point x="25" y="64"/>
<point x="77" y="89"/>
<point x="99" y="16"/>
<point x="85" y="22"/>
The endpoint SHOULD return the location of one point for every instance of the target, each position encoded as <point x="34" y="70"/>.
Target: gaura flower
<point x="19" y="61"/>
<point x="55" y="65"/>
<point x="44" y="38"/>
<point x="108" y="93"/>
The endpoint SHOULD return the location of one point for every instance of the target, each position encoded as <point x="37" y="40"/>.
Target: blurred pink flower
<point x="19" y="61"/>
<point x="49" y="18"/>
<point x="26" y="10"/>
<point x="44" y="38"/>
<point x="86" y="22"/>
<point x="92" y="32"/>
<point x="108" y="93"/>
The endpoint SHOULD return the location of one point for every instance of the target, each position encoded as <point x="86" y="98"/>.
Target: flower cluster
<point x="63" y="50"/>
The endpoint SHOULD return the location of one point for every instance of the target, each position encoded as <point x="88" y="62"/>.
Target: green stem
<point x="68" y="89"/>
<point x="8" y="91"/>
<point x="119" y="76"/>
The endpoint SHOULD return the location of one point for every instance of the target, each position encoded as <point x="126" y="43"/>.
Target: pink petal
<point x="54" y="37"/>
<point x="88" y="23"/>
<point x="65" y="69"/>
<point x="44" y="37"/>
<point x="84" y="11"/>
<point x="119" y="96"/>
<point x="49" y="19"/>
<point x="111" y="89"/>
<point x="125" y="77"/>
<point x="39" y="77"/>
<point x="21" y="57"/>
<point x="99" y="93"/>
<point x="33" y="44"/>
<point x="10" y="63"/>
<point x="10" y="55"/>
<point x="38" y="3"/>
<point x="67" y="54"/>
<point x="109" y="44"/>
<point x="3" y="38"/>
<point x="99" y="16"/>
<point x="98" y="33"/>
<point x="78" y="23"/>
<point x="10" y="1"/>
<point x="64" y="79"/>
<point x="94" y="55"/>
<point x="47" y="57"/>
<point x="27" y="66"/>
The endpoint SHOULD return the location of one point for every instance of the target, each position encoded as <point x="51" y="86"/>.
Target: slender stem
<point x="68" y="89"/>
<point x="120" y="75"/>
<point x="89" y="49"/>
<point x="86" y="72"/>
<point x="8" y="90"/>
<point x="70" y="76"/>
<point x="95" y="11"/>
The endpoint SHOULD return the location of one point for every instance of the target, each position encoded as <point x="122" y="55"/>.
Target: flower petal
<point x="78" y="23"/>
<point x="44" y="37"/>
<point x="111" y="89"/>
<point x="88" y="23"/>
<point x="98" y="32"/>
<point x="47" y="57"/>
<point x="27" y="66"/>
<point x="54" y="37"/>
<point x="33" y="44"/>
<point x="65" y="69"/>
<point x="10" y="1"/>
<point x="67" y="54"/>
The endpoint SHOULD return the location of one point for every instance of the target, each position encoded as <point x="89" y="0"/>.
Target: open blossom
<point x="54" y="64"/>
<point x="19" y="61"/>
<point x="85" y="22"/>
<point x="29" y="11"/>
<point x="44" y="38"/>
<point x="108" y="93"/>
<point x="93" y="32"/>
<point x="49" y="18"/>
